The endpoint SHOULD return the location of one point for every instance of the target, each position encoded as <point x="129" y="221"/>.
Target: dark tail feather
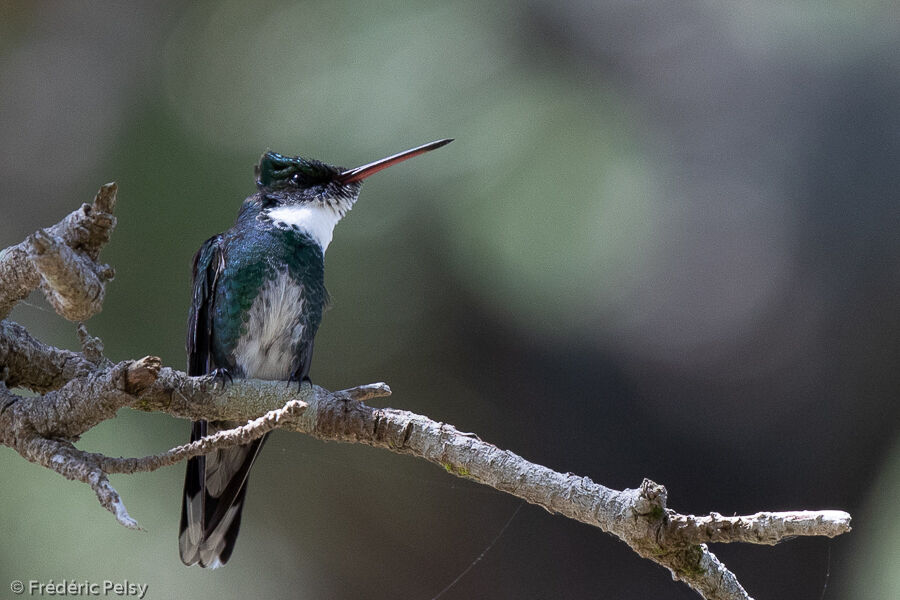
<point x="214" y="489"/>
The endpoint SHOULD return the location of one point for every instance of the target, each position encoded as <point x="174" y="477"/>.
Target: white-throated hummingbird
<point x="257" y="301"/>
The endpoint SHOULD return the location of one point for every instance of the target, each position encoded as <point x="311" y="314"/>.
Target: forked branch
<point x="81" y="389"/>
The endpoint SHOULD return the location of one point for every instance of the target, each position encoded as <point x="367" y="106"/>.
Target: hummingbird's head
<point x="285" y="181"/>
<point x="307" y="194"/>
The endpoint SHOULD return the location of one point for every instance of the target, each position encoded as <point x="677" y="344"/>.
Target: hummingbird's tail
<point x="214" y="488"/>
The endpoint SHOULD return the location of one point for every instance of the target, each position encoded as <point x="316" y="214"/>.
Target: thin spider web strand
<point x="483" y="552"/>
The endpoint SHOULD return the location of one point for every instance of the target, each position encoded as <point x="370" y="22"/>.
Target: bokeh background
<point x="664" y="244"/>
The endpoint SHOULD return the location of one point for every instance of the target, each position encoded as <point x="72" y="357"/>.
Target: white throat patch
<point x="318" y="220"/>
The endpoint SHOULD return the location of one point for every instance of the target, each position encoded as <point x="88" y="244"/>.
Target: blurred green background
<point x="664" y="244"/>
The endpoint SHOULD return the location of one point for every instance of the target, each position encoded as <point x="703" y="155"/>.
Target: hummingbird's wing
<point x="209" y="262"/>
<point x="214" y="484"/>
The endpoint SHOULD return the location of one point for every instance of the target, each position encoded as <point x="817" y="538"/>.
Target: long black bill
<point x="360" y="173"/>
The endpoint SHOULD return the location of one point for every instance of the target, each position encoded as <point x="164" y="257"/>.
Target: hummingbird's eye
<point x="295" y="178"/>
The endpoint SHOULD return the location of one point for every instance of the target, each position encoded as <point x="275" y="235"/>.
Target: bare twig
<point x="65" y="459"/>
<point x="62" y="260"/>
<point x="91" y="347"/>
<point x="760" y="528"/>
<point x="72" y="283"/>
<point x="37" y="366"/>
<point x="222" y="439"/>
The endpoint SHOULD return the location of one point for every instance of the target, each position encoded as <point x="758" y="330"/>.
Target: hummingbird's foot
<point x="219" y="376"/>
<point x="300" y="380"/>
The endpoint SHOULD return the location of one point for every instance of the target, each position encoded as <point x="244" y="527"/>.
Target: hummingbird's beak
<point x="360" y="173"/>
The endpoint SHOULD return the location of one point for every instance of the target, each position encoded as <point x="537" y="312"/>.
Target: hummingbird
<point x="258" y="294"/>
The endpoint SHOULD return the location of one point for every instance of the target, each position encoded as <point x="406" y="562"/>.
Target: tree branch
<point x="62" y="260"/>
<point x="82" y="389"/>
<point x="761" y="528"/>
<point x="225" y="438"/>
<point x="34" y="365"/>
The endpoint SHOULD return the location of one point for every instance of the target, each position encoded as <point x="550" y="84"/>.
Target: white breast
<point x="272" y="328"/>
<point x="318" y="220"/>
